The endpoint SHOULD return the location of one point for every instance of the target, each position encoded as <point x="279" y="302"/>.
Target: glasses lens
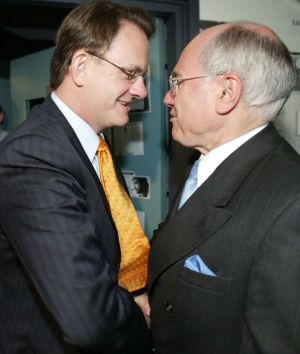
<point x="132" y="76"/>
<point x="173" y="83"/>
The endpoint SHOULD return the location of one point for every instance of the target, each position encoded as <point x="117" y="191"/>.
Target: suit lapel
<point x="190" y="227"/>
<point x="208" y="208"/>
<point x="54" y="112"/>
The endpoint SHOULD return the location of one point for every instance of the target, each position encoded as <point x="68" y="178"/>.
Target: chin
<point x="121" y="123"/>
<point x="175" y="135"/>
<point x="179" y="139"/>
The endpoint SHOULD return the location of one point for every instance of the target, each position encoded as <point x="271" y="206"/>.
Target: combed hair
<point x="263" y="64"/>
<point x="92" y="26"/>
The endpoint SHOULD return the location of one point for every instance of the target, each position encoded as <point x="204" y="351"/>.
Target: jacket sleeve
<point x="272" y="315"/>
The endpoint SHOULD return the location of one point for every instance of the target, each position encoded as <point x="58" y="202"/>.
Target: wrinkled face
<point x="192" y="111"/>
<point x="107" y="90"/>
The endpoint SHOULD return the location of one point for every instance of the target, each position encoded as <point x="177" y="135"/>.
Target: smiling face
<point x="104" y="92"/>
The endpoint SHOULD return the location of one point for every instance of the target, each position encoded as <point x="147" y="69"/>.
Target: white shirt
<point x="85" y="133"/>
<point x="209" y="162"/>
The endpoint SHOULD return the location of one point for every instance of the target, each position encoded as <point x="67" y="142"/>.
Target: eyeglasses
<point x="132" y="75"/>
<point x="174" y="82"/>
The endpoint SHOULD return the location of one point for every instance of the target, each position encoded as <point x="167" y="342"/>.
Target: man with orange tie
<point x="73" y="255"/>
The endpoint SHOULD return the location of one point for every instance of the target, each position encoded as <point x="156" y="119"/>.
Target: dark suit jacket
<point x="59" y="250"/>
<point x="244" y="222"/>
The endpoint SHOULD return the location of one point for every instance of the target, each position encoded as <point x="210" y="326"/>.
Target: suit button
<point x="168" y="307"/>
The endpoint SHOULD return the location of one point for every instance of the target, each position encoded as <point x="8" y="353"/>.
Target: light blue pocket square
<point x="196" y="264"/>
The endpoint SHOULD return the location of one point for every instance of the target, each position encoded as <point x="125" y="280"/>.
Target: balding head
<point x="229" y="79"/>
<point x="258" y="56"/>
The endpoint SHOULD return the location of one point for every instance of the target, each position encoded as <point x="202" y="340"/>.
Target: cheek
<point x="197" y="105"/>
<point x="103" y="98"/>
<point x="187" y="112"/>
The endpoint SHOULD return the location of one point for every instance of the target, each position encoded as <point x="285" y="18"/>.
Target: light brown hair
<point x="92" y="26"/>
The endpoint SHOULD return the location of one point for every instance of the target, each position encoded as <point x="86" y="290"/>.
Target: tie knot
<point x="102" y="145"/>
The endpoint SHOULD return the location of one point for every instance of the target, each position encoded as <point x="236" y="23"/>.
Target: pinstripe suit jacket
<point x="59" y="251"/>
<point x="244" y="222"/>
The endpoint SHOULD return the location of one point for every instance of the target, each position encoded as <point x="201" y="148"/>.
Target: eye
<point x="132" y="75"/>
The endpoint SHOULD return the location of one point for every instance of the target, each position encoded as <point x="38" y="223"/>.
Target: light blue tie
<point x="190" y="184"/>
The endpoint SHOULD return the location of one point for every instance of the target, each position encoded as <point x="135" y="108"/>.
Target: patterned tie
<point x="133" y="241"/>
<point x="190" y="184"/>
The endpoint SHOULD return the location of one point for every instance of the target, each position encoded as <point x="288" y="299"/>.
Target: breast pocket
<point x="203" y="281"/>
<point x="204" y="296"/>
<point x="204" y="301"/>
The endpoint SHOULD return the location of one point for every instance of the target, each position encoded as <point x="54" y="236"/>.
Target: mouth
<point x="172" y="115"/>
<point x="126" y="104"/>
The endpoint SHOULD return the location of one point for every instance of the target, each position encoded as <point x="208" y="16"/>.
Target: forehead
<point x="190" y="59"/>
<point x="189" y="62"/>
<point x="130" y="37"/>
<point x="129" y="47"/>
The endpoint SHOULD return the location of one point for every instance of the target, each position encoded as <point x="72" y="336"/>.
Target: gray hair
<point x="262" y="62"/>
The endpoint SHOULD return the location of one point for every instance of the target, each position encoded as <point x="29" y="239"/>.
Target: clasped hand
<point x="143" y="302"/>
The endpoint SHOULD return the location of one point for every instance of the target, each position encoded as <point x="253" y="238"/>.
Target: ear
<point x="78" y="67"/>
<point x="229" y="93"/>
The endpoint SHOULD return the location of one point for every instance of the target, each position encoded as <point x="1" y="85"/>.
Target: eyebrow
<point x="135" y="70"/>
<point x="175" y="73"/>
<point x="139" y="70"/>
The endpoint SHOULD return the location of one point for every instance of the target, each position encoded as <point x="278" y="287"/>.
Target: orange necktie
<point x="133" y="241"/>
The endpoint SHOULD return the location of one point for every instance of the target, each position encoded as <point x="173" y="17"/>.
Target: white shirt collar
<point x="210" y="161"/>
<point x="85" y="133"/>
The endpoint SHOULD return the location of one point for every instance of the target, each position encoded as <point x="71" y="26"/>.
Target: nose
<point x="138" y="88"/>
<point x="169" y="99"/>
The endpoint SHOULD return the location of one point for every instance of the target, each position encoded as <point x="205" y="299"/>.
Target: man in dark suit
<point x="59" y="248"/>
<point x="224" y="268"/>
